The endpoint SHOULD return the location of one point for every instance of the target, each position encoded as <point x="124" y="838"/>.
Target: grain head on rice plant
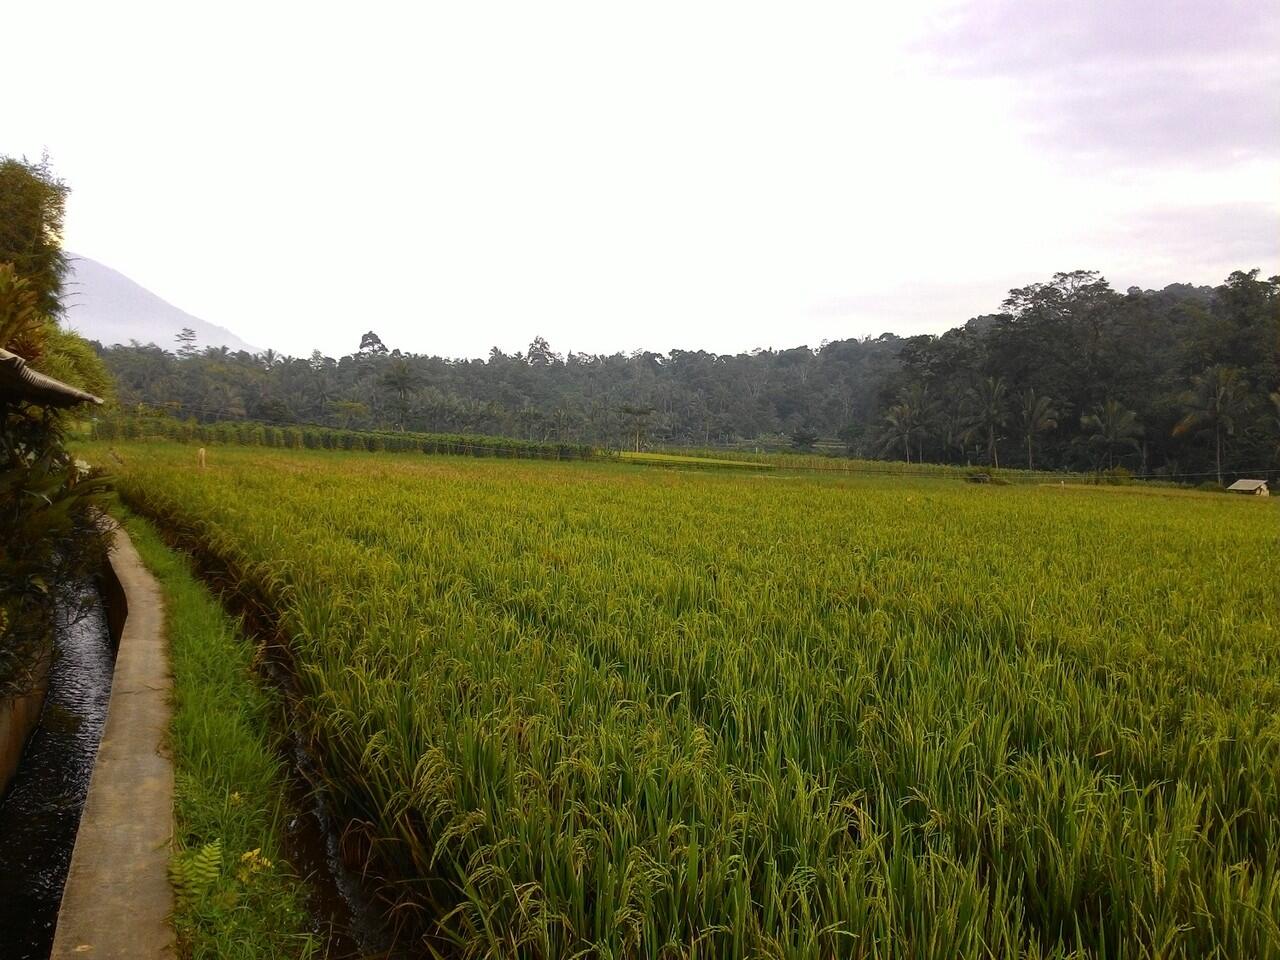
<point x="581" y="709"/>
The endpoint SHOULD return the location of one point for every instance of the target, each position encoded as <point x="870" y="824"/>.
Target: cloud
<point x="1145" y="82"/>
<point x="1207" y="241"/>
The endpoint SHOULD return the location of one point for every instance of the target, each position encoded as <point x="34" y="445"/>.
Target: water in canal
<point x="41" y="812"/>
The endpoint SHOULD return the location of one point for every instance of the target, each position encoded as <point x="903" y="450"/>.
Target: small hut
<point x="1255" y="488"/>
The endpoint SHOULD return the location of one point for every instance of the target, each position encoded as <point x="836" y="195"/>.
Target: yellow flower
<point x="251" y="862"/>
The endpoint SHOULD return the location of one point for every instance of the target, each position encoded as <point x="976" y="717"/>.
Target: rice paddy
<point x="579" y="709"/>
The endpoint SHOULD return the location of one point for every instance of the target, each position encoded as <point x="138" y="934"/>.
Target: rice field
<point x="663" y="459"/>
<point x="588" y="710"/>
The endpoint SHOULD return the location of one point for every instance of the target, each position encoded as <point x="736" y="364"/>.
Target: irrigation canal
<point x="40" y="814"/>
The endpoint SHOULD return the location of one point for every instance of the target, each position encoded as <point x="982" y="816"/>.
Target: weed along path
<point x="117" y="901"/>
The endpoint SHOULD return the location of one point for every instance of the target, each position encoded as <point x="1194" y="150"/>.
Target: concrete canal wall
<point x="18" y="718"/>
<point x="117" y="902"/>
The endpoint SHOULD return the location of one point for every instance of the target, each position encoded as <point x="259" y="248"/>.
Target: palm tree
<point x="953" y="431"/>
<point x="401" y="380"/>
<point x="1275" y="402"/>
<point x="639" y="416"/>
<point x="899" y="428"/>
<point x="924" y="413"/>
<point x="1112" y="426"/>
<point x="1036" y="416"/>
<point x="912" y="418"/>
<point x="1214" y="401"/>
<point x="987" y="413"/>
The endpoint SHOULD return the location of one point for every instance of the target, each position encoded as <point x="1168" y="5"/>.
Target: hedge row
<point x="135" y="427"/>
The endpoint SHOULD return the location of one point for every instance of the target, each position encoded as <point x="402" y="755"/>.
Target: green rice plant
<point x="586" y="710"/>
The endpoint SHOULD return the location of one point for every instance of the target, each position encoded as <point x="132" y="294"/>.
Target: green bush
<point x="49" y="534"/>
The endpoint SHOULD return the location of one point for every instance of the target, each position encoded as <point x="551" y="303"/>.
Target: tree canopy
<point x="1069" y="374"/>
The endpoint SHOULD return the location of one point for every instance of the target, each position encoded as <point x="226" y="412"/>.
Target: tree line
<point x="1070" y="374"/>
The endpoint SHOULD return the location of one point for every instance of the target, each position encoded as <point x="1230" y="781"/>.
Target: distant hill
<point x="104" y="305"/>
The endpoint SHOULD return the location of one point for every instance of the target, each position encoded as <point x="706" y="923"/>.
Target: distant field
<point x="837" y="462"/>
<point x="686" y="460"/>
<point x="582" y="709"/>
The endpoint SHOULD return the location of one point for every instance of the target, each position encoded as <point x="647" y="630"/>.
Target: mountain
<point x="104" y="305"/>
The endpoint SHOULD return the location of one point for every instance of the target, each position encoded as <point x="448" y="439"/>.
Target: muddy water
<point x="41" y="812"/>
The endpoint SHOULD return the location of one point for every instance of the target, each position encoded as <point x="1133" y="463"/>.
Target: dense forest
<point x="1070" y="373"/>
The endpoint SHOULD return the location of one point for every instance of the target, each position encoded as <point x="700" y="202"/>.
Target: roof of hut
<point x="19" y="381"/>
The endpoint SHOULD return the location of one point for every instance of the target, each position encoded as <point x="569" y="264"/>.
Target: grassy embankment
<point x="237" y="898"/>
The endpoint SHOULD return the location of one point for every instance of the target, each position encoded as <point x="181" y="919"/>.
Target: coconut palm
<point x="1035" y="416"/>
<point x="988" y="413"/>
<point x="1214" y="402"/>
<point x="1112" y="426"/>
<point x="924" y="413"/>
<point x="899" y="428"/>
<point x="401" y="380"/>
<point x="1275" y="402"/>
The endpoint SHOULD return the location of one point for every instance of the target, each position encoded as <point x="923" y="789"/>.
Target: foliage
<point x="1073" y="341"/>
<point x="988" y="413"/>
<point x="194" y="871"/>
<point x="1036" y="416"/>
<point x="572" y="709"/>
<point x="32" y="200"/>
<point x="803" y="439"/>
<point x="1110" y="427"/>
<point x="1215" y="402"/>
<point x="132" y="426"/>
<point x="902" y="426"/>
<point x="48" y="532"/>
<point x="70" y="358"/>
<point x="48" y="538"/>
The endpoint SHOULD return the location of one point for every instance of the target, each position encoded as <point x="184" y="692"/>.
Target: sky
<point x="458" y="176"/>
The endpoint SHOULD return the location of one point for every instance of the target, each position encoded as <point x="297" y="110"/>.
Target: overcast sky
<point x="720" y="176"/>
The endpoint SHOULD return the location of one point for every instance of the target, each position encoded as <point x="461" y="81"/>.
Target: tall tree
<point x="1072" y="339"/>
<point x="371" y="344"/>
<point x="51" y="533"/>
<point x="1213" y="404"/>
<point x="899" y="428"/>
<point x="639" y="417"/>
<point x="1112" y="426"/>
<point x="186" y="340"/>
<point x="1275" y="420"/>
<point x="402" y="382"/>
<point x="924" y="414"/>
<point x="32" y="201"/>
<point x="988" y="413"/>
<point x="1035" y="416"/>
